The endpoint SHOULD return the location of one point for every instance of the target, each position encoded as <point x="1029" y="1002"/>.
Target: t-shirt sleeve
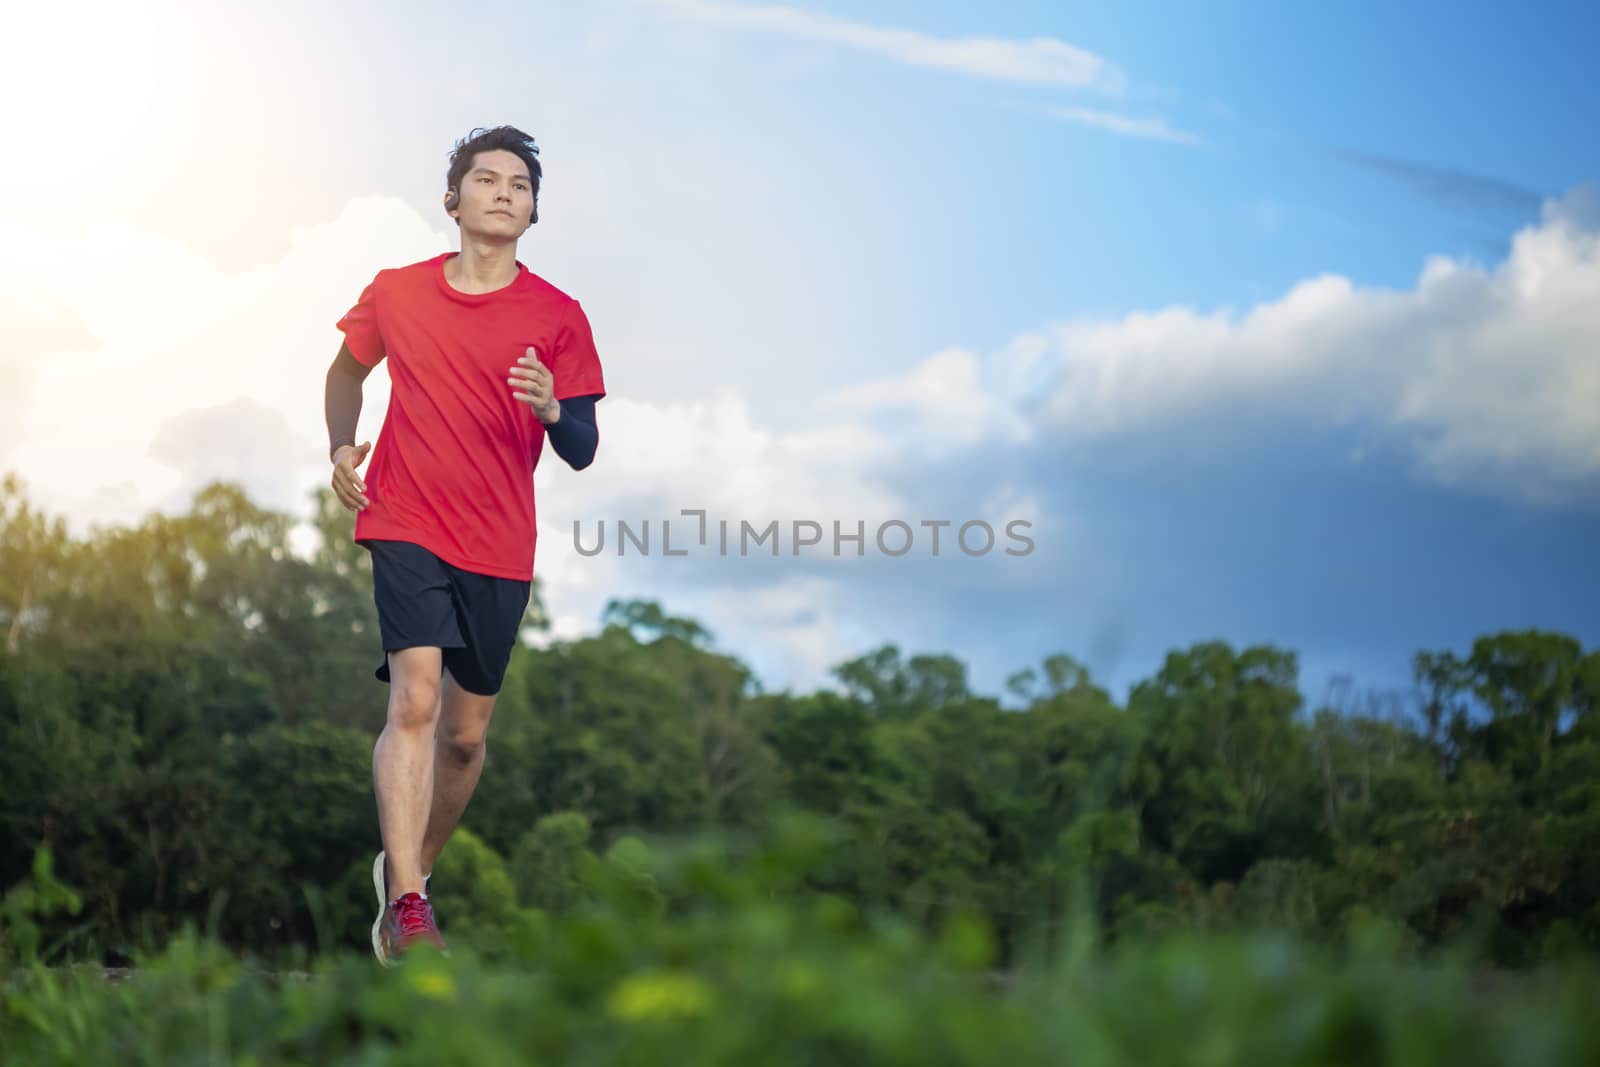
<point x="576" y="364"/>
<point x="360" y="326"/>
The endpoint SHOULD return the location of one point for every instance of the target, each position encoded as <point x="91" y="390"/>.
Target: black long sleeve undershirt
<point x="575" y="436"/>
<point x="342" y="401"/>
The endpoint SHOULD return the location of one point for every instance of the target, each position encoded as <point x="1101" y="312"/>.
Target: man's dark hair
<point x="508" y="138"/>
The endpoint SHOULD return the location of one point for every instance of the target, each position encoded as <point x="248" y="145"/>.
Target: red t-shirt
<point x="452" y="469"/>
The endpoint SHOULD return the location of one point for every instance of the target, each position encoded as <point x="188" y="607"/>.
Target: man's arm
<point x="342" y="399"/>
<point x="575" y="434"/>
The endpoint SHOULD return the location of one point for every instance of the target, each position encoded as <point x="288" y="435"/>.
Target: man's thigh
<point x="415" y="670"/>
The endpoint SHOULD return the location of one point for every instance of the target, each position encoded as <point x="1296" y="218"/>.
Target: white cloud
<point x="951" y="407"/>
<point x="1147" y="128"/>
<point x="1034" y="61"/>
<point x="241" y="441"/>
<point x="661" y="458"/>
<point x="1488" y="377"/>
<point x="165" y="333"/>
<point x="802" y="639"/>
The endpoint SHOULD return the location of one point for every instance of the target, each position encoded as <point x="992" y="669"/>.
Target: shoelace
<point x="412" y="913"/>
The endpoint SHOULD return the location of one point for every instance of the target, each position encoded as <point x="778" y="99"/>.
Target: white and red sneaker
<point x="389" y="944"/>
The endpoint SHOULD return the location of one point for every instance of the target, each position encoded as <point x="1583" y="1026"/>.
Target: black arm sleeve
<point x="575" y="435"/>
<point x="342" y="401"/>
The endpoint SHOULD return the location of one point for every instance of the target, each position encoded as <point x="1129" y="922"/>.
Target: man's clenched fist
<point x="532" y="384"/>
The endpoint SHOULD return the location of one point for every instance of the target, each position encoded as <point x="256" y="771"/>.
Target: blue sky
<point x="1278" y="321"/>
<point x="1356" y="140"/>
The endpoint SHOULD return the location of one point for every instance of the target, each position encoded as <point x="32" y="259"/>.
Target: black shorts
<point x="424" y="601"/>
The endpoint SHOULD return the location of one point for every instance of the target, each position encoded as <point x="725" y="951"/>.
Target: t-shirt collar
<point x="471" y="299"/>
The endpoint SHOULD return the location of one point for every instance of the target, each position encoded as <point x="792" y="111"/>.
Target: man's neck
<point x="482" y="267"/>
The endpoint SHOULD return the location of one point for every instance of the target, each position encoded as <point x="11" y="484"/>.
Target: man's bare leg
<point x="402" y="764"/>
<point x="459" y="751"/>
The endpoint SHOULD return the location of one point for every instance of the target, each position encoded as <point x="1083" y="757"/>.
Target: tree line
<point x="187" y="718"/>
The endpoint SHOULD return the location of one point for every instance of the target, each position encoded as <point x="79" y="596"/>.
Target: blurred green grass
<point x="676" y="953"/>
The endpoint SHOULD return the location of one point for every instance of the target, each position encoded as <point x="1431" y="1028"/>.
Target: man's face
<point x="496" y="196"/>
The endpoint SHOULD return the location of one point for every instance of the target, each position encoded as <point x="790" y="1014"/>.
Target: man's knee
<point x="465" y="725"/>
<point x="414" y="703"/>
<point x="465" y="731"/>
<point x="461" y="747"/>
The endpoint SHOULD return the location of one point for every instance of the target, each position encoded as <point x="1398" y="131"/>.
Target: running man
<point x="486" y="361"/>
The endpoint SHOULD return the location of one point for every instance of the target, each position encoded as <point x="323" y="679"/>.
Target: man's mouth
<point x="497" y="211"/>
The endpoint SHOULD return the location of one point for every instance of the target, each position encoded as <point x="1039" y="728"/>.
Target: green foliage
<point x="475" y="894"/>
<point x="40" y="897"/>
<point x="549" y="862"/>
